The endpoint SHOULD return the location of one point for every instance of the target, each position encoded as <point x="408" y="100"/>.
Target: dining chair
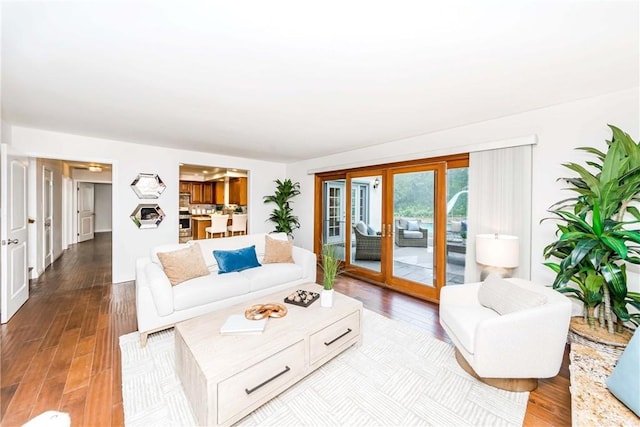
<point x="238" y="224"/>
<point x="218" y="225"/>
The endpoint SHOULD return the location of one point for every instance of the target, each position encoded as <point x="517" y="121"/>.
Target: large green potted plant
<point x="598" y="233"/>
<point x="282" y="214"/>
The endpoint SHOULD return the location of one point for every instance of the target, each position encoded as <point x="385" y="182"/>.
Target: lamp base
<point x="485" y="270"/>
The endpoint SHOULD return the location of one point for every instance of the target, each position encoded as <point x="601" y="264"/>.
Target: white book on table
<point x="238" y="324"/>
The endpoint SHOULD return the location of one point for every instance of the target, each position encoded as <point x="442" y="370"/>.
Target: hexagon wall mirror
<point x="148" y="186"/>
<point x="147" y="216"/>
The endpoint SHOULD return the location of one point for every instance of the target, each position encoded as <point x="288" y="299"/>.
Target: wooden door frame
<point x="453" y="161"/>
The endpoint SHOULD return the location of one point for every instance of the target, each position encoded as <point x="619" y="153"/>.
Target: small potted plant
<point x="331" y="267"/>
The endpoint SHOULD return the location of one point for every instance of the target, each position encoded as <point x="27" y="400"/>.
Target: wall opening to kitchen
<point x="206" y="191"/>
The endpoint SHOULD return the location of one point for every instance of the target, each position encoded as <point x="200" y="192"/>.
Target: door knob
<point x="10" y="241"/>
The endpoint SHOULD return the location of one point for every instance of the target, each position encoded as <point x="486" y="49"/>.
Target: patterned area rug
<point x="398" y="377"/>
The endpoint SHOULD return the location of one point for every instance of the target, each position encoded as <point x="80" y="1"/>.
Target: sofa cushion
<point x="183" y="264"/>
<point x="403" y="223"/>
<point x="361" y="227"/>
<point x="209" y="288"/>
<point x="412" y="234"/>
<point x="171" y="247"/>
<point x="236" y="259"/>
<point x="272" y="274"/>
<point x="371" y="231"/>
<point x="505" y="297"/>
<point x="413" y="226"/>
<point x="276" y="251"/>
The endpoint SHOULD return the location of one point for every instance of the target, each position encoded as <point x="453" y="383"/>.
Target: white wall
<point x="129" y="242"/>
<point x="559" y="129"/>
<point x="103" y="207"/>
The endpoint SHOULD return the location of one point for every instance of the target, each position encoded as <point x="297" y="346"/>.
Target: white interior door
<point x="13" y="232"/>
<point x="47" y="214"/>
<point x="86" y="214"/>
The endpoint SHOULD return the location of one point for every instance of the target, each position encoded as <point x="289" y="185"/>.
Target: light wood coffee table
<point x="225" y="377"/>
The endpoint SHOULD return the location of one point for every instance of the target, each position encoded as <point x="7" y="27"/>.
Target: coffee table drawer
<point x="258" y="383"/>
<point x="334" y="337"/>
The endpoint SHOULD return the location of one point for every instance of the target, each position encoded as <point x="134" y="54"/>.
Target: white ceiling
<point x="291" y="80"/>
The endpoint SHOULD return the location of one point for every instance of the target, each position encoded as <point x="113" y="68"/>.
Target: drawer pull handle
<point x="286" y="369"/>
<point x="337" y="338"/>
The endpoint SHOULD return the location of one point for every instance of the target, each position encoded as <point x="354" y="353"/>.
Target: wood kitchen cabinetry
<point x="185" y="187"/>
<point x="196" y="193"/>
<point x="219" y="193"/>
<point x="238" y="191"/>
<point x="203" y="193"/>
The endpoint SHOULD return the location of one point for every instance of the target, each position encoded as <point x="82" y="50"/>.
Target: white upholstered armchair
<point x="513" y="349"/>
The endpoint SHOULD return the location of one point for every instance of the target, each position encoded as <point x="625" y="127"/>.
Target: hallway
<point x="60" y="350"/>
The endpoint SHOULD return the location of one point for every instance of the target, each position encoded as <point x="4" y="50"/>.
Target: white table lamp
<point x="497" y="253"/>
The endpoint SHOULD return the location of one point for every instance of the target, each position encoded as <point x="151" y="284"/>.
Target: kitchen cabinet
<point x="185" y="187"/>
<point x="202" y="193"/>
<point x="238" y="191"/>
<point x="196" y="193"/>
<point x="219" y="193"/>
<point x="208" y="192"/>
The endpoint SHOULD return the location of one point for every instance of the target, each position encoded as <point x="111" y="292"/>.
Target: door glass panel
<point x="366" y="222"/>
<point x="334" y="215"/>
<point x="413" y="221"/>
<point x="457" y="198"/>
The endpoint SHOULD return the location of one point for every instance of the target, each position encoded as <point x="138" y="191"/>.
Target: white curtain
<point x="500" y="202"/>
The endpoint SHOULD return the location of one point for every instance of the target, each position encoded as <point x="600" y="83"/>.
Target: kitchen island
<point x="199" y="223"/>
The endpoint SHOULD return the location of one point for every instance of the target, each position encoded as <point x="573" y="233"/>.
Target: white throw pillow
<point x="505" y="297"/>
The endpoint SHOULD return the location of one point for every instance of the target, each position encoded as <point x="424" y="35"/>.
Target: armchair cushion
<point x="504" y="297"/>
<point x="362" y="228"/>
<point x="413" y="226"/>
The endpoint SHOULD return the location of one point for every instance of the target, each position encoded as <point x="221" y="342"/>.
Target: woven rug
<point x="398" y="377"/>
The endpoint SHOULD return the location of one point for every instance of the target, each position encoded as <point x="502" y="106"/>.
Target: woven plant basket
<point x="600" y="339"/>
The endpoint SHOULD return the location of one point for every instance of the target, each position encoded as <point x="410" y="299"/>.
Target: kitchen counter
<point x="200" y="222"/>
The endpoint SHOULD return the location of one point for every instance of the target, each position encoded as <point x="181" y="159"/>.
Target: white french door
<point x="86" y="214"/>
<point x="334" y="212"/>
<point x="47" y="214"/>
<point x="13" y="232"/>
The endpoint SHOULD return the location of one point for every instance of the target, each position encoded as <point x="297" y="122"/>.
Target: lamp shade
<point x="497" y="250"/>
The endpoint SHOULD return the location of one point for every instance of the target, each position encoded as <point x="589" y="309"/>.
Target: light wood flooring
<point x="60" y="351"/>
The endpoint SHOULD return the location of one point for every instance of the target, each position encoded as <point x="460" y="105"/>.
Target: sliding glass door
<point x="417" y="215"/>
<point x="393" y="225"/>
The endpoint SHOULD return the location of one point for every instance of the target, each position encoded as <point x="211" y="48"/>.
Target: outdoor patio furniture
<point x="411" y="232"/>
<point x="367" y="242"/>
<point x="456" y="241"/>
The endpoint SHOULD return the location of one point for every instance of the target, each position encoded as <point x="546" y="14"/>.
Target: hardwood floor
<point x="60" y="351"/>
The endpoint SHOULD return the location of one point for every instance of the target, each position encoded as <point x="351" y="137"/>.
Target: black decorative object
<point x="302" y="298"/>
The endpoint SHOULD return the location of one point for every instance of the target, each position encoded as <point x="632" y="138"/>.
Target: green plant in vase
<point x="282" y="214"/>
<point x="595" y="238"/>
<point x="331" y="266"/>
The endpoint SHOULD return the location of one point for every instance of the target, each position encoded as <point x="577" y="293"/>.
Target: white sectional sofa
<point x="159" y="305"/>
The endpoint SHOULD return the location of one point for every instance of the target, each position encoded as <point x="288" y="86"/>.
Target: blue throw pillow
<point x="236" y="260"/>
<point x="624" y="381"/>
<point x="413" y="226"/>
<point x="371" y="231"/>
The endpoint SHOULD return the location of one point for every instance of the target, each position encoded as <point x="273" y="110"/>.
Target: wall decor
<point x="147" y="216"/>
<point x="148" y="186"/>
